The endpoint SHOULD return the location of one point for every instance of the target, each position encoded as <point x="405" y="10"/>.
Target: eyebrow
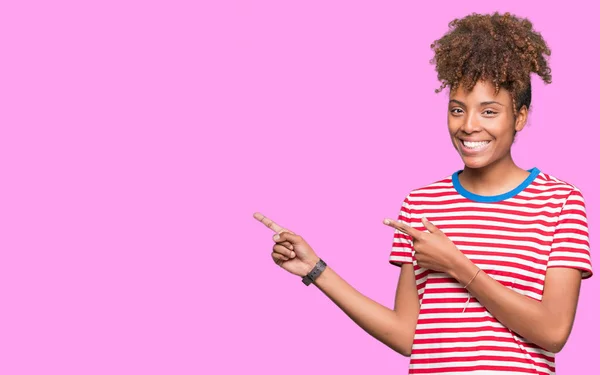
<point x="481" y="104"/>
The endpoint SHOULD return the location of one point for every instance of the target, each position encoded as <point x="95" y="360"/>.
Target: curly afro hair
<point x="500" y="48"/>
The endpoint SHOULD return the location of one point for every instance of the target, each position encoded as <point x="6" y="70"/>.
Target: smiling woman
<point x="482" y="126"/>
<point x="491" y="256"/>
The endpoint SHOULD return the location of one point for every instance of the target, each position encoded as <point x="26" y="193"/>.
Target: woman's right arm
<point x="395" y="328"/>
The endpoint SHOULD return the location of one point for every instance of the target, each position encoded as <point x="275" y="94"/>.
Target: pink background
<point x="138" y="137"/>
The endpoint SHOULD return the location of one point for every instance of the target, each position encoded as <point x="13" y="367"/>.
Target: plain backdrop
<point x="137" y="138"/>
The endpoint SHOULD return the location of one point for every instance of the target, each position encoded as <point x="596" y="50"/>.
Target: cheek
<point x="504" y="136"/>
<point x="453" y="138"/>
<point x="452" y="131"/>
<point x="503" y="144"/>
<point x="502" y="128"/>
<point x="452" y="128"/>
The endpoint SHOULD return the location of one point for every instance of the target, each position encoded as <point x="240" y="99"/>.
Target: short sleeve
<point x="402" y="247"/>
<point x="570" y="245"/>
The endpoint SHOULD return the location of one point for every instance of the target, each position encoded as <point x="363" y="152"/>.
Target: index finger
<point x="407" y="229"/>
<point x="270" y="223"/>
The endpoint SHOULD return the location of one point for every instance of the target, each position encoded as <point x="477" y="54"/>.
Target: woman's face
<point x="482" y="125"/>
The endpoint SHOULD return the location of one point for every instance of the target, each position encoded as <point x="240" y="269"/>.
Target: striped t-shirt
<point x="514" y="238"/>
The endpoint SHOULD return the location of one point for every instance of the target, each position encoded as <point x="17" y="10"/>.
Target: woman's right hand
<point x="290" y="251"/>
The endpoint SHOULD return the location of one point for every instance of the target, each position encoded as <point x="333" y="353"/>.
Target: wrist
<point x="322" y="277"/>
<point x="310" y="264"/>
<point x="463" y="269"/>
<point x="314" y="273"/>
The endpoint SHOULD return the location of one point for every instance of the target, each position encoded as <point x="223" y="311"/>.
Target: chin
<point x="474" y="163"/>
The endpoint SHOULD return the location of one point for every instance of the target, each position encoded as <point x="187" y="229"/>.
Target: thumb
<point x="428" y="225"/>
<point x="287" y="236"/>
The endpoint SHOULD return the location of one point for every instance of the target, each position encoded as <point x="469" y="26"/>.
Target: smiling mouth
<point x="474" y="145"/>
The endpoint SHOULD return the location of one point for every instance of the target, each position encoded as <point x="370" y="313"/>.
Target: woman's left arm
<point x="546" y="323"/>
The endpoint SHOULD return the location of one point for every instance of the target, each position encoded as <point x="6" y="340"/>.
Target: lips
<point x="473" y="147"/>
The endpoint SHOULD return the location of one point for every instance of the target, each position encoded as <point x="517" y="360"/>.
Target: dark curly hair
<point x="500" y="48"/>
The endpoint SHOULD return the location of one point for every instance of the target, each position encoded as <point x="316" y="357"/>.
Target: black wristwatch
<point x="316" y="271"/>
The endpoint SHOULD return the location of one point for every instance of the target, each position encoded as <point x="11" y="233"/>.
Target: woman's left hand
<point x="433" y="250"/>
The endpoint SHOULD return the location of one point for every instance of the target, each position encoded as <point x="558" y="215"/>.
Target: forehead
<point x="481" y="92"/>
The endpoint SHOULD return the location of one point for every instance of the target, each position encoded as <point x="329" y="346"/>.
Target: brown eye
<point x="455" y="109"/>
<point x="489" y="112"/>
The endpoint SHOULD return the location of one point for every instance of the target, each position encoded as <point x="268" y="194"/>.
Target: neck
<point x="496" y="178"/>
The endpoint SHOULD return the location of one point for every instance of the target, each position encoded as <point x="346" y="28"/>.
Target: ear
<point x="521" y="118"/>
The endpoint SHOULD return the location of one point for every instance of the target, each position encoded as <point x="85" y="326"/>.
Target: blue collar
<point x="533" y="173"/>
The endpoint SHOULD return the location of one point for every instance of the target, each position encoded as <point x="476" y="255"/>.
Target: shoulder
<point x="437" y="189"/>
<point x="547" y="183"/>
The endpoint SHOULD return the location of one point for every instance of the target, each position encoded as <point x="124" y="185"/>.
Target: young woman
<point x="492" y="256"/>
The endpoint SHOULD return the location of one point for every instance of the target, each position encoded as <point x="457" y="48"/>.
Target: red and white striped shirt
<point x="514" y="237"/>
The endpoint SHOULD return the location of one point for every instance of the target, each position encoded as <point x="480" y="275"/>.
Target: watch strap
<point x="314" y="273"/>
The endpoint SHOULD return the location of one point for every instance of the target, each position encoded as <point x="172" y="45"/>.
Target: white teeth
<point x="475" y="145"/>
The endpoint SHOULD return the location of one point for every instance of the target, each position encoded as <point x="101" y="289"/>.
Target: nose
<point x="471" y="123"/>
